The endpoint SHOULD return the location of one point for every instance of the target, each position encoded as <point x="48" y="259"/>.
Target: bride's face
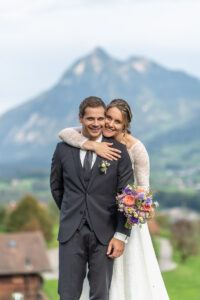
<point x="113" y="123"/>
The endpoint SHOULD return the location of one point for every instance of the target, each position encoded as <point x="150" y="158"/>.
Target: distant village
<point x="29" y="248"/>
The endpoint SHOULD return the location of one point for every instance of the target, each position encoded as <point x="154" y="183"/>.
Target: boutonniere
<point x="104" y="166"/>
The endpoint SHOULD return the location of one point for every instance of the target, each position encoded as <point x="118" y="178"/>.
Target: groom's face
<point x="93" y="122"/>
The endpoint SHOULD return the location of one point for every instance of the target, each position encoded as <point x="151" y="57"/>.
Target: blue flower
<point x="148" y="201"/>
<point x="141" y="196"/>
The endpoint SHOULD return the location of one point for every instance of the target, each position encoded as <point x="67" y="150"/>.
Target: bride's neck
<point x="122" y="137"/>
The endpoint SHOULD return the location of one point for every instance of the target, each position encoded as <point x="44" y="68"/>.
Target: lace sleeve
<point x="141" y="165"/>
<point x="72" y="136"/>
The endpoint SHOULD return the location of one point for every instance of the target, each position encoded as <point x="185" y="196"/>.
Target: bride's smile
<point x="113" y="123"/>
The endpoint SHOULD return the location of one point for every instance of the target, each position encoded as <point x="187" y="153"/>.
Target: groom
<point x="91" y="229"/>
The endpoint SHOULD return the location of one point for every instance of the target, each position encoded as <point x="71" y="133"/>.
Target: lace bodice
<point x="140" y="163"/>
<point x="138" y="154"/>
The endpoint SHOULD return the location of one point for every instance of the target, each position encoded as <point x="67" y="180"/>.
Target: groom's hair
<point x="91" y="101"/>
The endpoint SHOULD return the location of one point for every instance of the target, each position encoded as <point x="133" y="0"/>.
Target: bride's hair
<point x="125" y="109"/>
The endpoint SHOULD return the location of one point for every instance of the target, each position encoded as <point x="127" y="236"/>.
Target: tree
<point x="2" y="216"/>
<point x="53" y="210"/>
<point x="185" y="238"/>
<point x="29" y="215"/>
<point x="32" y="225"/>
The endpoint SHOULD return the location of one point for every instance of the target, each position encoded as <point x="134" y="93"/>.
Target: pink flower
<point x="142" y="214"/>
<point x="147" y="207"/>
<point x="129" y="200"/>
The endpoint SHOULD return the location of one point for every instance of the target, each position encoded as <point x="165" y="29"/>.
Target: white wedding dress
<point x="136" y="274"/>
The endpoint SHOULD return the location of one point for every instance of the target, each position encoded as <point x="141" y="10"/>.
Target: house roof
<point x="23" y="253"/>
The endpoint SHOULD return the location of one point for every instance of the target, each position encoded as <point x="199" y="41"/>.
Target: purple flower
<point x="148" y="201"/>
<point x="141" y="196"/>
<point x="133" y="220"/>
<point x="127" y="190"/>
<point x="133" y="193"/>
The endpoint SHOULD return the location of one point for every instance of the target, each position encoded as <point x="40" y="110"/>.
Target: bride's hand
<point x="103" y="149"/>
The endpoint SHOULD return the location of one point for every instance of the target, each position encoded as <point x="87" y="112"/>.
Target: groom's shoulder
<point x="62" y="146"/>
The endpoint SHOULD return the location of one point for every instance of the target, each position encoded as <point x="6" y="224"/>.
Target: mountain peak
<point x="100" y="53"/>
<point x="95" y="60"/>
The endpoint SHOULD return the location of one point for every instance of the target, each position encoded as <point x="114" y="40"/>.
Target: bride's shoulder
<point x="136" y="145"/>
<point x="131" y="142"/>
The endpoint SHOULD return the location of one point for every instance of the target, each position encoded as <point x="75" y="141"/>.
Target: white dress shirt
<point x="118" y="235"/>
<point x="94" y="155"/>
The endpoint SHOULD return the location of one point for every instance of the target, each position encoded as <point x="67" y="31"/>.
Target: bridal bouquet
<point x="137" y="205"/>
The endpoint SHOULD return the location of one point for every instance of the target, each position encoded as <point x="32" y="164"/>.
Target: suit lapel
<point x="77" y="162"/>
<point x="96" y="168"/>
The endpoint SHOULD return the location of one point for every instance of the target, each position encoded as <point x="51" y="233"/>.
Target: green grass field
<point x="182" y="283"/>
<point x="50" y="288"/>
<point x="54" y="243"/>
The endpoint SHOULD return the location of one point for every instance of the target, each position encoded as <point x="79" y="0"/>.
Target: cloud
<point x="51" y="21"/>
<point x="42" y="37"/>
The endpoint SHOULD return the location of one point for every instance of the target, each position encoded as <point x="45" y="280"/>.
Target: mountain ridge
<point x="162" y="101"/>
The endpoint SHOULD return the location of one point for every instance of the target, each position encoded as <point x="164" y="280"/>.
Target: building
<point x="22" y="259"/>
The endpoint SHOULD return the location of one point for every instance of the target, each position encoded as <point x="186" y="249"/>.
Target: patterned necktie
<point x="87" y="165"/>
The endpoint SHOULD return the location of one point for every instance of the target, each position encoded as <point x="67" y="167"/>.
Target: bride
<point x="136" y="274"/>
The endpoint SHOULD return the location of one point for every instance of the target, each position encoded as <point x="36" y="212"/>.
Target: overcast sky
<point x="40" y="39"/>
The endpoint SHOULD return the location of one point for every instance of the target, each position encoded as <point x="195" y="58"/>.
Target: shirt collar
<point x="98" y="140"/>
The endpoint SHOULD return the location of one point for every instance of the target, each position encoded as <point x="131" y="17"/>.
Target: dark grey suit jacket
<point x="99" y="198"/>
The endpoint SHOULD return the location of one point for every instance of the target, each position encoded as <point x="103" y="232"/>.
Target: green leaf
<point x="127" y="225"/>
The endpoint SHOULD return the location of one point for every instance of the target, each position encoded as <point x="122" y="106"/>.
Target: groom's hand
<point x="115" y="248"/>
